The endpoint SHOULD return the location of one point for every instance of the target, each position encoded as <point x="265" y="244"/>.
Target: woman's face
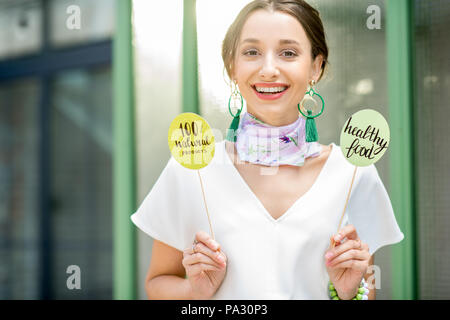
<point x="274" y="52"/>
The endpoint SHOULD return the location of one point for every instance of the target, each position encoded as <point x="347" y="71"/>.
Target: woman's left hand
<point x="348" y="262"/>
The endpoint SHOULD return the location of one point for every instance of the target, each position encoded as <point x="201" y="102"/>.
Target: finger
<point x="197" y="268"/>
<point x="349" y="255"/>
<point x="347" y="245"/>
<point x="349" y="232"/>
<point x="187" y="252"/>
<point x="331" y="246"/>
<point x="365" y="246"/>
<point x="200" y="258"/>
<point x="218" y="256"/>
<point x="360" y="265"/>
<point x="202" y="236"/>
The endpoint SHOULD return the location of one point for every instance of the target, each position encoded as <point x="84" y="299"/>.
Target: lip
<point x="270" y="85"/>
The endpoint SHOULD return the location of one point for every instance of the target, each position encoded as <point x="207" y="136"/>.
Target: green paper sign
<point x="365" y="137"/>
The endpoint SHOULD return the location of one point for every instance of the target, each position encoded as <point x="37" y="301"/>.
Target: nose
<point x="269" y="69"/>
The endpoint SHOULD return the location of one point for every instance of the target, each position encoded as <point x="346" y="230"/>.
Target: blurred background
<point x="88" y="90"/>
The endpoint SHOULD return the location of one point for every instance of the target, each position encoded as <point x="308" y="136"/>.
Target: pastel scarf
<point x="260" y="143"/>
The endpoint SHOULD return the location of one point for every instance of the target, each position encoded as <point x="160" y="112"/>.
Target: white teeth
<point x="273" y="89"/>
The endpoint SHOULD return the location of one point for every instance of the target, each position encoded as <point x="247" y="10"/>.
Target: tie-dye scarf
<point x="263" y="144"/>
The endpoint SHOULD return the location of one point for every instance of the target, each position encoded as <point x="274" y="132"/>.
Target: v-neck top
<point x="258" y="201"/>
<point x="268" y="258"/>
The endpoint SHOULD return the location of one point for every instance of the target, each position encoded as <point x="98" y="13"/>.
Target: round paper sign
<point x="365" y="137"/>
<point x="191" y="141"/>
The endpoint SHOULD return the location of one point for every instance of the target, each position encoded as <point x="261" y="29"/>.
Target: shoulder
<point x="326" y="150"/>
<point x="175" y="172"/>
<point x="319" y="160"/>
<point x="365" y="176"/>
<point x="324" y="154"/>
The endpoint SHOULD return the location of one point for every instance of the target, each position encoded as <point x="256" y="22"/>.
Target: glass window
<point x="19" y="190"/>
<point x="157" y="53"/>
<point x="432" y="81"/>
<point x="356" y="80"/>
<point x="81" y="21"/>
<point x="213" y="19"/>
<point x="20" y="27"/>
<point x="81" y="182"/>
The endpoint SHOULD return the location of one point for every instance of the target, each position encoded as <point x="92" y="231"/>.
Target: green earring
<point x="310" y="125"/>
<point x="231" y="132"/>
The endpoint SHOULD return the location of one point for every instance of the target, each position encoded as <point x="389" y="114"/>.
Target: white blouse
<point x="268" y="258"/>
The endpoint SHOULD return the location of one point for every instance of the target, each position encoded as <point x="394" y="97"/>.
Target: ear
<point x="316" y="68"/>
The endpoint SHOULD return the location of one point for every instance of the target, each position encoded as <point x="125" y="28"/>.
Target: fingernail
<point x="337" y="237"/>
<point x="214" y="244"/>
<point x="328" y="255"/>
<point x="220" y="258"/>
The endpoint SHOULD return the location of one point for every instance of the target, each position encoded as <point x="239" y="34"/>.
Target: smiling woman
<point x="291" y="51"/>
<point x="273" y="227"/>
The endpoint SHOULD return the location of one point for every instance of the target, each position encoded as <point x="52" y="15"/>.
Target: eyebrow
<point x="282" y="41"/>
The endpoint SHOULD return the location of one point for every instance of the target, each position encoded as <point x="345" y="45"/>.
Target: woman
<point x="273" y="228"/>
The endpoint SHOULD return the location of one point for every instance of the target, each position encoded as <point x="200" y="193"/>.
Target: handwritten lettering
<point x="196" y="143"/>
<point x="370" y="133"/>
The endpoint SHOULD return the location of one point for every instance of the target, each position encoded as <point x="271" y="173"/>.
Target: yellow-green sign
<point x="191" y="141"/>
<point x="365" y="137"/>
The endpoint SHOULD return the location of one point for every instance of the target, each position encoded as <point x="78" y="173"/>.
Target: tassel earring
<point x="310" y="125"/>
<point x="231" y="132"/>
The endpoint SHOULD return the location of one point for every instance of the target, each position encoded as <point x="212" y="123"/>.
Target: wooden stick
<point x="204" y="200"/>
<point x="346" y="202"/>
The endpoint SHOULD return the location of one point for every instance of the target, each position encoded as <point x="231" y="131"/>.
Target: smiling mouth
<point x="267" y="91"/>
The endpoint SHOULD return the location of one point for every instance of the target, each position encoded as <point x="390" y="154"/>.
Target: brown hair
<point x="308" y="17"/>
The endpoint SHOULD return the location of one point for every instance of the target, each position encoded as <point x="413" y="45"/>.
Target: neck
<point x="276" y="119"/>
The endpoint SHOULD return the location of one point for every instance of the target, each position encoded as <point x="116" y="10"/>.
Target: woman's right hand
<point x="206" y="267"/>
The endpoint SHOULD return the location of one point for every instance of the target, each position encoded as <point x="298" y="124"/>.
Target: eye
<point x="249" y="52"/>
<point x="290" y="53"/>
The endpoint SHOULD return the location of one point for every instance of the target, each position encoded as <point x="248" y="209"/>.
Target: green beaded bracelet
<point x="362" y="293"/>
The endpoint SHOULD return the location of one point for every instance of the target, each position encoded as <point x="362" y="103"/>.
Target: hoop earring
<point x="231" y="132"/>
<point x="310" y="126"/>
